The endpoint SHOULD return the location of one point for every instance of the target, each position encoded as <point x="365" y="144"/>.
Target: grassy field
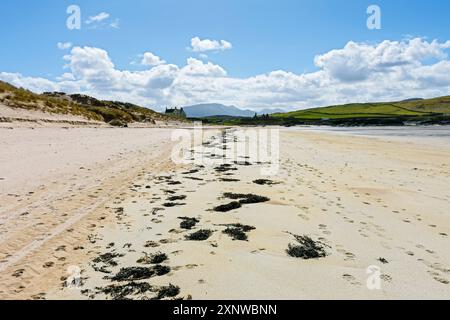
<point x="416" y="108"/>
<point x="430" y="111"/>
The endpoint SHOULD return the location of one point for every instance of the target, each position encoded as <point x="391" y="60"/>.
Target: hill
<point x="215" y="109"/>
<point x="411" y="111"/>
<point x="82" y="106"/>
<point x="407" y="108"/>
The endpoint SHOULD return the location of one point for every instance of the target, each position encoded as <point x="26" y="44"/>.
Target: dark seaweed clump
<point x="140" y="273"/>
<point x="246" y="198"/>
<point x="306" y="249"/>
<point x="191" y="171"/>
<point x="229" y="180"/>
<point x="121" y="292"/>
<point x="169" y="291"/>
<point x="173" y="204"/>
<point x="254" y="199"/>
<point x="228" y="207"/>
<point x="176" y="198"/>
<point x="238" y="231"/>
<point x="263" y="182"/>
<point x="108" y="258"/>
<point x="158" y="257"/>
<point x="155" y="258"/>
<point x="242" y="163"/>
<point x="225" y="168"/>
<point x="103" y="261"/>
<point x="200" y="235"/>
<point x="188" y="223"/>
<point x="383" y="260"/>
<point x="194" y="178"/>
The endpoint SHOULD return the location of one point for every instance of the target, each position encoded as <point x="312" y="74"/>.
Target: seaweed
<point x="200" y="235"/>
<point x="307" y="248"/>
<point x="169" y="291"/>
<point x="188" y="223"/>
<point x="246" y="198"/>
<point x="383" y="260"/>
<point x="108" y="258"/>
<point x="242" y="163"/>
<point x="176" y="198"/>
<point x="151" y="244"/>
<point x="173" y="204"/>
<point x="251" y="199"/>
<point x="263" y="182"/>
<point x="194" y="178"/>
<point x="238" y="231"/>
<point x="155" y="258"/>
<point x="158" y="257"/>
<point x="191" y="171"/>
<point x="228" y="207"/>
<point x="234" y="196"/>
<point x="121" y="292"/>
<point x="225" y="168"/>
<point x="140" y="273"/>
<point x="229" y="180"/>
<point x="133" y="273"/>
<point x="161" y="270"/>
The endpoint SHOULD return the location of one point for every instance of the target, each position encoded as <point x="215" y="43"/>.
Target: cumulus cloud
<point x="198" y="68"/>
<point x="358" y="72"/>
<point x="360" y="61"/>
<point x="198" y="45"/>
<point x="149" y="59"/>
<point x="98" y="18"/>
<point x="64" y="45"/>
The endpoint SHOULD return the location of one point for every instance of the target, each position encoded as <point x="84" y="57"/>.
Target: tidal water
<point x="430" y="135"/>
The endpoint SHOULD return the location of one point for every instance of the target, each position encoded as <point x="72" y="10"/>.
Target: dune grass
<point x="113" y="112"/>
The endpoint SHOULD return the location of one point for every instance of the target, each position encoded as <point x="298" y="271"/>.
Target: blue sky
<point x="266" y="36"/>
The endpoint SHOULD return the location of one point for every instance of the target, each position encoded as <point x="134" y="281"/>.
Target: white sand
<point x="364" y="198"/>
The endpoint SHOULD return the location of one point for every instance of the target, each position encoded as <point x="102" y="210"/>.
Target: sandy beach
<point x="111" y="204"/>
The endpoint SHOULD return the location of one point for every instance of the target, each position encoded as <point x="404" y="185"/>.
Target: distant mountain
<point x="216" y="109"/>
<point x="412" y="100"/>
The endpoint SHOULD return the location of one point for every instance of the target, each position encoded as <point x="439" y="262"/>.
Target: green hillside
<point x="413" y="108"/>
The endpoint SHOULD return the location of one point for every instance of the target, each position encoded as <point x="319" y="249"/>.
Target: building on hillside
<point x="176" y="112"/>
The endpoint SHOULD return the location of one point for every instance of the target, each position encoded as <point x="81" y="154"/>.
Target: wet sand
<point x="363" y="201"/>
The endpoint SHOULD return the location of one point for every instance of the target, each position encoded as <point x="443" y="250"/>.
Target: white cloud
<point x="198" y="45"/>
<point x="64" y="45"/>
<point x="358" y="72"/>
<point x="197" y="68"/>
<point x="98" y="18"/>
<point x="149" y="59"/>
<point x="360" y="61"/>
